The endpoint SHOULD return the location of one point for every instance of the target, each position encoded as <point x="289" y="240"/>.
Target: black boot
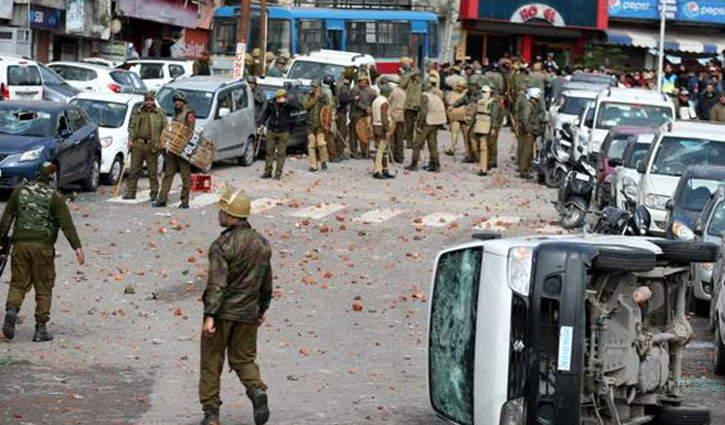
<point x="387" y="175"/>
<point x="430" y="167"/>
<point x="267" y="175"/>
<point x="413" y="166"/>
<point x="259" y="401"/>
<point x="153" y="197"/>
<point x="211" y="416"/>
<point x="11" y="316"/>
<point x="159" y="204"/>
<point x="378" y="176"/>
<point x="184" y="205"/>
<point x="41" y="333"/>
<point x="129" y="196"/>
<point x="323" y="166"/>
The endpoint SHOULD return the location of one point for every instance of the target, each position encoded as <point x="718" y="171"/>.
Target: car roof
<point x="626" y="130"/>
<point x="584" y="85"/>
<point x="703" y="171"/>
<point x="84" y="65"/>
<point x="115" y="97"/>
<point x="278" y="82"/>
<point x="697" y="130"/>
<point x="15" y="60"/>
<point x="203" y="82"/>
<point x="40" y="105"/>
<point x="582" y="93"/>
<point x="635" y="96"/>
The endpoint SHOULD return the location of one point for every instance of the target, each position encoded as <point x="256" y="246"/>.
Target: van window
<point x="241" y="100"/>
<point x="453" y="333"/>
<point x="717" y="224"/>
<point x="24" y="75"/>
<point x="151" y="71"/>
<point x="176" y="71"/>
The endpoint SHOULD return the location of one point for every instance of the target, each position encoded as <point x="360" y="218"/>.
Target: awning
<point x="674" y="41"/>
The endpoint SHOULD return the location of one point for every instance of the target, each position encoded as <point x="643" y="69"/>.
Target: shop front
<point x="531" y="28"/>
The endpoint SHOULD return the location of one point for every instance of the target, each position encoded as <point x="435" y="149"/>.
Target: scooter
<point x="562" y="151"/>
<point x="576" y="193"/>
<point x="634" y="221"/>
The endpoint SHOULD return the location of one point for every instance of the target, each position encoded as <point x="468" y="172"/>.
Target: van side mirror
<point x="615" y="162"/>
<point x="670" y="205"/>
<point x="641" y="168"/>
<point x="223" y="112"/>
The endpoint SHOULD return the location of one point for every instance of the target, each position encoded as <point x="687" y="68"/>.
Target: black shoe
<point x="312" y="170"/>
<point x="153" y="197"/>
<point x="211" y="416"/>
<point x="261" y="409"/>
<point x="184" y="205"/>
<point x="387" y="175"/>
<point x="278" y="176"/>
<point x="378" y="176"/>
<point x="159" y="204"/>
<point x="324" y="166"/>
<point x="450" y="152"/>
<point x="129" y="196"/>
<point x="267" y="175"/>
<point x="482" y="173"/>
<point x="41" y="333"/>
<point x="526" y="176"/>
<point x="434" y="169"/>
<point x="492" y="166"/>
<point x="11" y="316"/>
<point x="469" y="160"/>
<point x="412" y="167"/>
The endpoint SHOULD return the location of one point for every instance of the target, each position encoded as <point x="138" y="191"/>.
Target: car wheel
<point x="90" y="183"/>
<point x="686" y="252"/>
<point x="624" y="259"/>
<point x="114" y="174"/>
<point x="247" y="157"/>
<point x="719" y="352"/>
<point x="683" y="415"/>
<point x="572" y="215"/>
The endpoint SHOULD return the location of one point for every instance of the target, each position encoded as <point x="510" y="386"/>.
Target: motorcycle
<point x="553" y="162"/>
<point x="634" y="221"/>
<point x="576" y="193"/>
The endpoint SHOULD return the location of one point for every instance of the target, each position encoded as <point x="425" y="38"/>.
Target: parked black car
<point x="693" y="191"/>
<point x="32" y="132"/>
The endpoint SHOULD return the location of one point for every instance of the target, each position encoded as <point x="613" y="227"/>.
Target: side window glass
<point x="63" y="125"/>
<point x="176" y="71"/>
<point x="76" y="119"/>
<point x="241" y="100"/>
<point x="151" y="71"/>
<point x="224" y="101"/>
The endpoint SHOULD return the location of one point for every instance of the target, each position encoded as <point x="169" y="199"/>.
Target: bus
<point x="387" y="35"/>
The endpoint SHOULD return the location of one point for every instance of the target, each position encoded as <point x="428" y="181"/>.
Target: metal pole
<point x="661" y="58"/>
<point x="243" y="22"/>
<point x="263" y="35"/>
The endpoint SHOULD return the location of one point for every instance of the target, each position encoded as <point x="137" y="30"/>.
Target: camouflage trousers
<point x="33" y="266"/>
<point x="238" y="341"/>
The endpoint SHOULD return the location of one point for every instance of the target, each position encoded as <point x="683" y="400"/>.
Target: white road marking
<point x="261" y="205"/>
<point x="141" y="197"/>
<point x="498" y="223"/>
<point x="318" y="212"/>
<point x="377" y="216"/>
<point x="439" y="219"/>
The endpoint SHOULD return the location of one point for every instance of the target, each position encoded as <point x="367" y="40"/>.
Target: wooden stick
<point x="117" y="189"/>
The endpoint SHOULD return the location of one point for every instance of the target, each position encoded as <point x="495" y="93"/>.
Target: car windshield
<point x="717" y="224"/>
<point x="24" y="75"/>
<point x="675" y="154"/>
<point x="105" y="114"/>
<point x="696" y="192"/>
<point x="25" y="122"/>
<point x="573" y="105"/>
<point x="639" y="153"/>
<point x="50" y="77"/>
<point x="198" y="101"/>
<point x="631" y="115"/>
<point x="310" y="70"/>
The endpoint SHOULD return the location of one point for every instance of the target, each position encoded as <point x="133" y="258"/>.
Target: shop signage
<point x="636" y="9"/>
<point x="239" y="60"/>
<point x="538" y="12"/>
<point x="42" y="17"/>
<point x="75" y="16"/>
<point x="702" y="11"/>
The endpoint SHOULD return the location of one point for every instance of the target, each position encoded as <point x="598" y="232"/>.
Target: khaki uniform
<point x="238" y="293"/>
<point x="144" y="131"/>
<point x="381" y="128"/>
<point x="431" y="119"/>
<point x="717" y="113"/>
<point x="174" y="163"/>
<point x="397" y="113"/>
<point x="456" y="116"/>
<point x="484" y="130"/>
<point x="494" y="80"/>
<point x="413" y="97"/>
<point x="361" y="100"/>
<point x="538" y="80"/>
<point x="342" y="106"/>
<point x="533" y="126"/>
<point x="315" y="133"/>
<point x="38" y="212"/>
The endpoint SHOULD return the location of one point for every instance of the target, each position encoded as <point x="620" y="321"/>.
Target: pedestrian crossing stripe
<point x="318" y="212"/>
<point x="438" y="219"/>
<point x="201" y="201"/>
<point x="377" y="216"/>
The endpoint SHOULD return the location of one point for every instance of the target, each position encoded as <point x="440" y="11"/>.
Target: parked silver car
<point x="224" y="113"/>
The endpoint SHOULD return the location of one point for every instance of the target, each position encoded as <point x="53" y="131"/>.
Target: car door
<point x="219" y="128"/>
<point x="244" y="121"/>
<point x="84" y="136"/>
<point x="64" y="148"/>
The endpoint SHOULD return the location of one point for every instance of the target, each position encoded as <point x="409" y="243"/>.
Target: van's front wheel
<point x="683" y="415"/>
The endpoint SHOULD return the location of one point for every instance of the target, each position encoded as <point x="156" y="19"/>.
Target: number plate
<point x="581" y="176"/>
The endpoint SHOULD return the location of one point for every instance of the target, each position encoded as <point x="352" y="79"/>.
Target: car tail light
<point x="115" y="88"/>
<point x="5" y="91"/>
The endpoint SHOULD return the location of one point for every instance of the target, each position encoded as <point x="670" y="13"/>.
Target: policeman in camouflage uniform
<point x="469" y="102"/>
<point x="144" y="142"/>
<point x="237" y="296"/>
<point x="38" y="211"/>
<point x="313" y="103"/>
<point x="533" y="123"/>
<point x="174" y="162"/>
<point x="342" y="106"/>
<point x="361" y="98"/>
<point x="412" y="84"/>
<point x="432" y="117"/>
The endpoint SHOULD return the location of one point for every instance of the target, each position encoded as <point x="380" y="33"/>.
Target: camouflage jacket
<point x="313" y="105"/>
<point x="38" y="211"/>
<point x="534" y="118"/>
<point x="240" y="276"/>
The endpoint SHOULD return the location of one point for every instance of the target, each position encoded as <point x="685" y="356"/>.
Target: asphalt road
<point x="127" y="324"/>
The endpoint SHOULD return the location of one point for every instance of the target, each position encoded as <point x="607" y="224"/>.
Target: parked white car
<point x="155" y="73"/>
<point x="626" y="178"/>
<point x="569" y="105"/>
<point x="618" y="107"/>
<point x="19" y="79"/>
<point x="686" y="143"/>
<point x="326" y="62"/>
<point x="99" y="79"/>
<point x="112" y="112"/>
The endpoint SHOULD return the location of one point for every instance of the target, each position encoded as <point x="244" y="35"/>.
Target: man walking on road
<point x="144" y="142"/>
<point x="173" y="162"/>
<point x="277" y="119"/>
<point x="383" y="128"/>
<point x="533" y="123"/>
<point x="431" y="118"/>
<point x="38" y="211"/>
<point x="237" y="296"/>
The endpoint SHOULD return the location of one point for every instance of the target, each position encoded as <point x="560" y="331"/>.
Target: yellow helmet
<point x="234" y="201"/>
<point x="406" y="60"/>
<point x="256" y="52"/>
<point x="269" y="56"/>
<point x="280" y="93"/>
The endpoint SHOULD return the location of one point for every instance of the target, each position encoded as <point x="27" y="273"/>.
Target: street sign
<point x="239" y="60"/>
<point x="670" y="8"/>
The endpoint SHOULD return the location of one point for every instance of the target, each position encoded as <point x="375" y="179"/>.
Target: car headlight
<point x="31" y="155"/>
<point x="657" y="202"/>
<point x="707" y="266"/>
<point x="630" y="186"/>
<point x="512" y="412"/>
<point x="682" y="232"/>
<point x="519" y="269"/>
<point x="106" y="141"/>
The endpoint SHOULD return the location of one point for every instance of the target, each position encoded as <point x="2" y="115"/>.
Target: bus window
<point x="311" y="36"/>
<point x="433" y="39"/>
<point x="379" y="39"/>
<point x="224" y="38"/>
<point x="361" y="37"/>
<point x="279" y="36"/>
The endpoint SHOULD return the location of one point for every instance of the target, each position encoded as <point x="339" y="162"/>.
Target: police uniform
<point x="432" y="117"/>
<point x="397" y="113"/>
<point x="144" y="132"/>
<point x="533" y="126"/>
<point x="237" y="295"/>
<point x="361" y="101"/>
<point x="342" y="106"/>
<point x="410" y="82"/>
<point x="484" y="129"/>
<point x="315" y="133"/>
<point x="37" y="211"/>
<point x="382" y="126"/>
<point x="173" y="163"/>
<point x="456" y="115"/>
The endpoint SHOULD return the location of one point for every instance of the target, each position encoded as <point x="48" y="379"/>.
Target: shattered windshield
<point x="453" y="334"/>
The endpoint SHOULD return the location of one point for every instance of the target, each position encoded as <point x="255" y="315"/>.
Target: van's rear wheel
<point x="624" y="259"/>
<point x="683" y="415"/>
<point x="686" y="252"/>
